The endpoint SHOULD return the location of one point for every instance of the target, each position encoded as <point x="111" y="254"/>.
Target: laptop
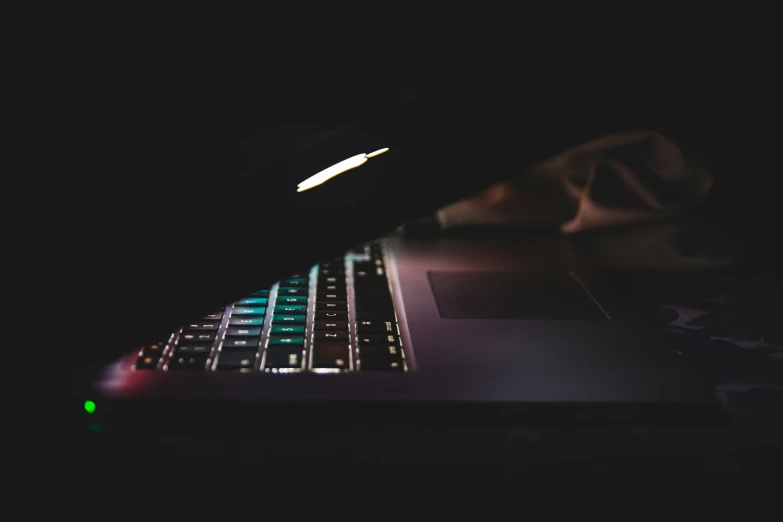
<point x="365" y="313"/>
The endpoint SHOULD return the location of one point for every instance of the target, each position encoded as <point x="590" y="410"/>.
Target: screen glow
<point x="377" y="152"/>
<point x="337" y="169"/>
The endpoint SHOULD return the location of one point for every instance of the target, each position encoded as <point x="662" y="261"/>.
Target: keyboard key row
<point x="242" y="338"/>
<point x="377" y="339"/>
<point x="325" y="321"/>
<point x="285" y="347"/>
<point x="331" y="350"/>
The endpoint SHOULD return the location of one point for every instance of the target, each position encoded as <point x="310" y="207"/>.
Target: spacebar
<point x="373" y="300"/>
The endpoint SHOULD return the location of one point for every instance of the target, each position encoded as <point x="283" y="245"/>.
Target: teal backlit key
<point x="291" y="309"/>
<point x="248" y="311"/>
<point x="252" y="301"/>
<point x="246" y="321"/>
<point x="283" y="341"/>
<point x="288" y="319"/>
<point x="279" y="329"/>
<point x="291" y="299"/>
<point x="291" y="290"/>
<point x="298" y="282"/>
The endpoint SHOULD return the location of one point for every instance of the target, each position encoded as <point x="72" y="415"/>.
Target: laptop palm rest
<point x="510" y="295"/>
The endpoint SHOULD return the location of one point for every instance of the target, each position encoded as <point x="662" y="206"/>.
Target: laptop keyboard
<point x="337" y="318"/>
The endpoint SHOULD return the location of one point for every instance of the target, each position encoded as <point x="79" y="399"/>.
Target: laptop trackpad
<point x="512" y="295"/>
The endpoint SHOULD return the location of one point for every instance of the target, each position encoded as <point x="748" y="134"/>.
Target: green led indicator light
<point x="89" y="407"/>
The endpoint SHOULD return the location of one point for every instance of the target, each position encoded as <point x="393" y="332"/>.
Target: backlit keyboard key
<point x="217" y="316"/>
<point x="147" y="363"/>
<point x="202" y="326"/>
<point x="331" y="335"/>
<point x="323" y="292"/>
<point x="376" y="326"/>
<point x="248" y="311"/>
<point x="390" y="350"/>
<point x="283" y="357"/>
<point x="253" y="301"/>
<point x="331" y="307"/>
<point x="291" y="290"/>
<point x="336" y="315"/>
<point x="331" y="288"/>
<point x="260" y="293"/>
<point x="291" y="309"/>
<point x="153" y="350"/>
<point x="331" y="325"/>
<point x="289" y="319"/>
<point x="333" y="297"/>
<point x="243" y="332"/>
<point x="291" y="299"/>
<point x="193" y="348"/>
<point x="240" y="342"/>
<point x="332" y="355"/>
<point x="188" y="362"/>
<point x="286" y="329"/>
<point x="246" y="321"/>
<point x="286" y="341"/>
<point x="193" y="337"/>
<point x="235" y="360"/>
<point x="298" y="282"/>
<point x="390" y="338"/>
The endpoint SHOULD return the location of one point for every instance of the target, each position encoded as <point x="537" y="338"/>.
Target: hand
<point x="621" y="178"/>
